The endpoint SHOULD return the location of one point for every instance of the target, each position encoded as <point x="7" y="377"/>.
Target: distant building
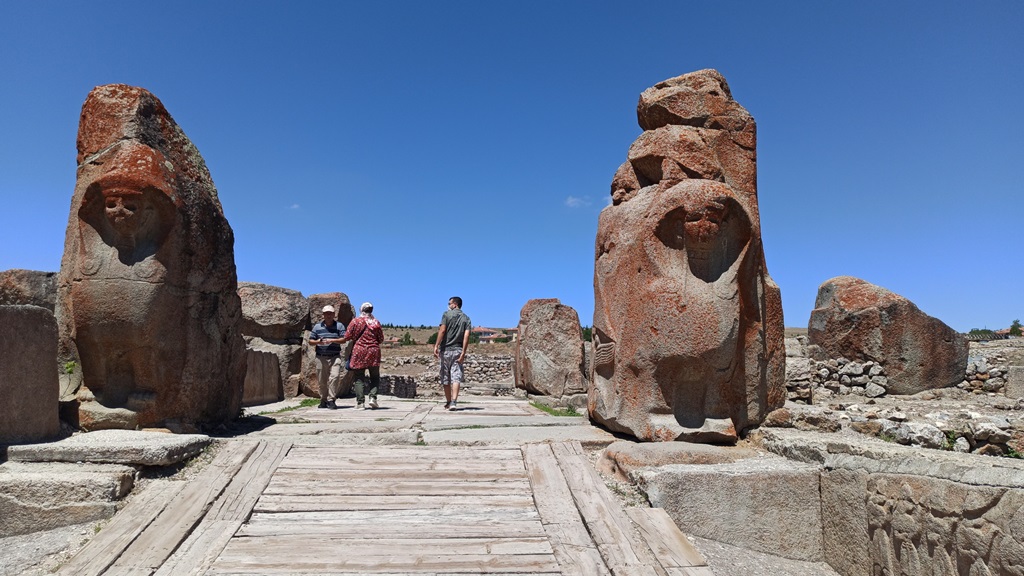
<point x="491" y="335"/>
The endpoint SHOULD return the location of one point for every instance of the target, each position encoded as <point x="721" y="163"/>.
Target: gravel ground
<point x="726" y="560"/>
<point x="43" y="552"/>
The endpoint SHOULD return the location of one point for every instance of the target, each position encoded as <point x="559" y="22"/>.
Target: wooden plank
<point x="313" y="562"/>
<point x="445" y="516"/>
<point x="201" y="548"/>
<point x="622" y="550"/>
<point x="690" y="571"/>
<point x="406" y="573"/>
<point x="282" y="546"/>
<point x="397" y="530"/>
<point x="228" y="512"/>
<point x="240" y="496"/>
<point x="169" y="530"/>
<point x="669" y="545"/>
<point x="369" y="476"/>
<point x="276" y="503"/>
<point x="123" y="529"/>
<point x="433" y="452"/>
<point x="325" y="464"/>
<point x="572" y="546"/>
<point x="283" y="487"/>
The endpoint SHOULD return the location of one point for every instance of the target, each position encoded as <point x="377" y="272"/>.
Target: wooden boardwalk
<point x="278" y="508"/>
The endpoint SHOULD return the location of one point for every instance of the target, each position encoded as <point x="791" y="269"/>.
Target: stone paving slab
<point x="518" y="435"/>
<point x="132" y="447"/>
<point x="458" y="419"/>
<point x="344" y="439"/>
<point x="41" y="496"/>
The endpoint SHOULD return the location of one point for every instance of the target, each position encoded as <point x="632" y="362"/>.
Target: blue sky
<point x="467" y="148"/>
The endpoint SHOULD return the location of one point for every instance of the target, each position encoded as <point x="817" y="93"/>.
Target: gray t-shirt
<point x="456" y="323"/>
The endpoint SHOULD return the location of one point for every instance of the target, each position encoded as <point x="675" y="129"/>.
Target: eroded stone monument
<point x="857" y="320"/>
<point x="688" y="329"/>
<point x="147" y="303"/>
<point x="549" y="353"/>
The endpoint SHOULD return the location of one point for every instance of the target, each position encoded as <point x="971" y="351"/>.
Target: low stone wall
<point x="485" y="375"/>
<point x="889" y="509"/>
<point x="397" y="386"/>
<point x="810" y="373"/>
<point x="861" y="505"/>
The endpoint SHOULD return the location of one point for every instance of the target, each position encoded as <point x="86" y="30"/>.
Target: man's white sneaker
<point x="373" y="404"/>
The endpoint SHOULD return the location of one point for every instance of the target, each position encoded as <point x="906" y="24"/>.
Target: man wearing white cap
<point x="328" y="336"/>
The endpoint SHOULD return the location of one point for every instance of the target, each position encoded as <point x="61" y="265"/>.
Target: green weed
<point x="305" y="403"/>
<point x="567" y="411"/>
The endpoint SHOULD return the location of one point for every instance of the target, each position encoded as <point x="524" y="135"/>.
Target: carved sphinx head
<point x="128" y="204"/>
<point x="707" y="224"/>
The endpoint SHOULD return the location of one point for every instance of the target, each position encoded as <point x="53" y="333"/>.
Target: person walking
<point x="367" y="333"/>
<point x="450" y="349"/>
<point x="327" y="336"/>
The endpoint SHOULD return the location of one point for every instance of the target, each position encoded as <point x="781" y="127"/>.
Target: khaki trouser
<point x="328" y="373"/>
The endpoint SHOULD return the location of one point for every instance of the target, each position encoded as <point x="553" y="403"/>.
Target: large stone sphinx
<point x="688" y="330"/>
<point x="147" y="304"/>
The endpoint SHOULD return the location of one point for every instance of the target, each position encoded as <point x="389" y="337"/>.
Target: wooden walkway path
<point x="277" y="508"/>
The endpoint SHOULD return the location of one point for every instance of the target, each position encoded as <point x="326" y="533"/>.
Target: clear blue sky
<point x="466" y="148"/>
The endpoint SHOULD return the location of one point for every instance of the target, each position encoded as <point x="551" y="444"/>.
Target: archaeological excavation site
<point x="160" y="417"/>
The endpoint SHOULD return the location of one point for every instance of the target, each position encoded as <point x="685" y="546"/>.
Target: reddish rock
<point x="344" y="312"/>
<point x="701" y="99"/>
<point x="28" y="288"/>
<point x="146" y="298"/>
<point x="549" y="353"/>
<point x="860" y="321"/>
<point x="688" y="330"/>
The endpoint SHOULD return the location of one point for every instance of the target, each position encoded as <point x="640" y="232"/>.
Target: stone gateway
<point x="688" y="329"/>
<point x="146" y="297"/>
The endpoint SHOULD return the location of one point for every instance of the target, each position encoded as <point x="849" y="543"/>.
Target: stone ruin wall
<point x="931" y="522"/>
<point x="485" y="375"/>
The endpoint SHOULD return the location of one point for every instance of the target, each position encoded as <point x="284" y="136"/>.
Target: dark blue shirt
<point x="321" y="331"/>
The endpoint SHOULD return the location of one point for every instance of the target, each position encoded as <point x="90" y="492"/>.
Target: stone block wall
<point x="262" y="378"/>
<point x="29" y="388"/>
<point x="484" y="375"/>
<point x="893" y="510"/>
<point x="397" y="386"/>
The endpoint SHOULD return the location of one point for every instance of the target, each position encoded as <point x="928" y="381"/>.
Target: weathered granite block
<point x="29" y="385"/>
<point x="844" y="521"/>
<point x="42" y="496"/>
<point x="21" y="287"/>
<point x="134" y="447"/>
<point x="262" y="378"/>
<point x="765" y="504"/>
<point x="1014" y="387"/>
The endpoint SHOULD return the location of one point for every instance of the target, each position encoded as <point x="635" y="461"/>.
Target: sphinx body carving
<point x="146" y="293"/>
<point x="687" y="323"/>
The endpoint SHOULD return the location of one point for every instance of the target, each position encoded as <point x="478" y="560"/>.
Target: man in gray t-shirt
<point x="450" y="349"/>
